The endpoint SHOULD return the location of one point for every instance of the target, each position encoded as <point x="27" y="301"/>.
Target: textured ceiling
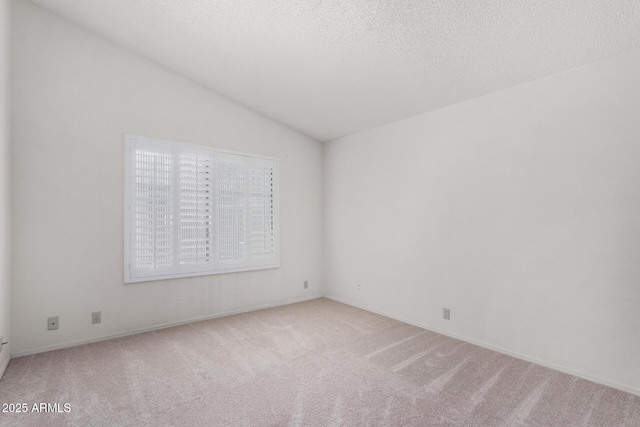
<point x="330" y="68"/>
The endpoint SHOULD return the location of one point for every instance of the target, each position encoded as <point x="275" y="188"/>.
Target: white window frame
<point x="248" y="211"/>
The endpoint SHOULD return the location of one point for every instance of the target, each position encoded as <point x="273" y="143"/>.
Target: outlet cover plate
<point x="53" y="323"/>
<point x="96" y="317"/>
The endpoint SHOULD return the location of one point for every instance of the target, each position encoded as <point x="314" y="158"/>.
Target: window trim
<point x="129" y="141"/>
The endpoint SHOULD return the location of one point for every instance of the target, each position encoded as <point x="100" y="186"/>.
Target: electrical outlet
<point x="96" y="317"/>
<point x="359" y="286"/>
<point x="446" y="314"/>
<point x="306" y="284"/>
<point x="52" y="323"/>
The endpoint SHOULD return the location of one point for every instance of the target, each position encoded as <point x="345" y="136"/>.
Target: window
<point x="193" y="210"/>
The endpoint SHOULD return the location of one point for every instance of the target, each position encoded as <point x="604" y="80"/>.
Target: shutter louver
<point x="196" y="211"/>
<point x="152" y="212"/>
<point x="263" y="221"/>
<point x="231" y="211"/>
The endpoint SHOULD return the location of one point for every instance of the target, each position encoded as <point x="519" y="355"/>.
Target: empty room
<point x="319" y="213"/>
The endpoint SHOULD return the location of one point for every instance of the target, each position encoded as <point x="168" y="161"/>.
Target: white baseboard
<point x="563" y="369"/>
<point x="4" y="366"/>
<point x="157" y="327"/>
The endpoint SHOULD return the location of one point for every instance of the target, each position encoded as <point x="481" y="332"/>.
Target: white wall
<point x="519" y="211"/>
<point x="75" y="94"/>
<point x="5" y="187"/>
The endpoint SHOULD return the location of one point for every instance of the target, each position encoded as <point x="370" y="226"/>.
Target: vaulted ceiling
<point x="330" y="68"/>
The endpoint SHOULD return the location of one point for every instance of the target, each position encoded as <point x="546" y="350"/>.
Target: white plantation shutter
<point x="192" y="210"/>
<point x="152" y="190"/>
<point x="196" y="235"/>
<point x="263" y="228"/>
<point x="231" y="211"/>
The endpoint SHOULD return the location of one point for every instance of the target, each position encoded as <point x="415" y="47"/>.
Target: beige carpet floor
<point x="316" y="363"/>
